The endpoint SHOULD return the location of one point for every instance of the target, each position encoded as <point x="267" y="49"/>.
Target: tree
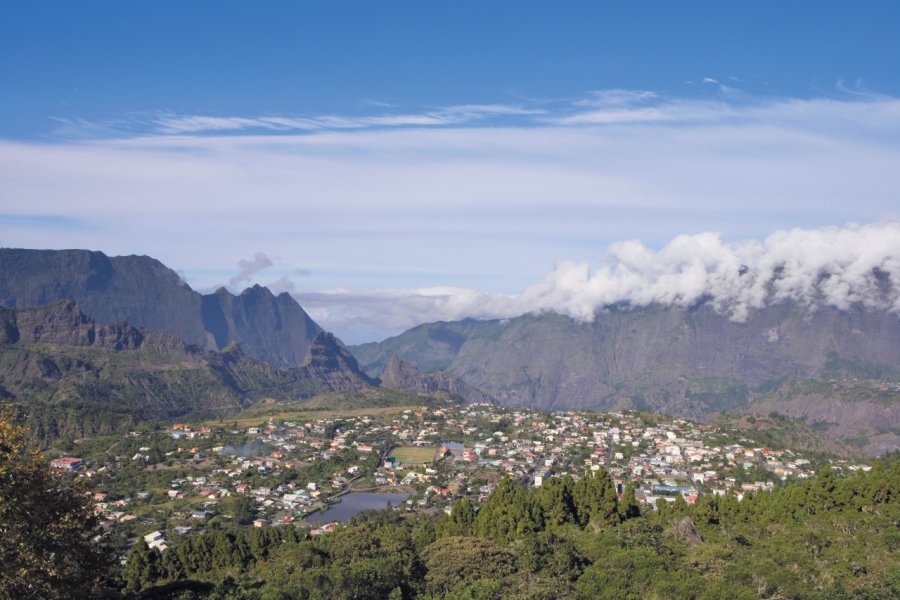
<point x="460" y="521"/>
<point x="242" y="509"/>
<point x="464" y="560"/>
<point x="48" y="534"/>
<point x="595" y="499"/>
<point x="507" y="513"/>
<point x="557" y="502"/>
<point x="143" y="567"/>
<point x="629" y="507"/>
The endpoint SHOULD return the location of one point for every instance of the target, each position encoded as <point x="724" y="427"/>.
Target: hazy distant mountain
<point x="400" y="375"/>
<point x="687" y="362"/>
<point x="143" y="292"/>
<point x="76" y="377"/>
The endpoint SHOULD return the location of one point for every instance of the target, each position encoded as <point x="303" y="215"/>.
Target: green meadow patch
<point x="414" y="455"/>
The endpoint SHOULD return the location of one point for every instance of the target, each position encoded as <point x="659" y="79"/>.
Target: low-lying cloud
<point x="858" y="265"/>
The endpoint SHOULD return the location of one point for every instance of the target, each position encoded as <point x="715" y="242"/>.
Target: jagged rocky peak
<point x="327" y="350"/>
<point x="145" y="293"/>
<point x="268" y="327"/>
<point x="398" y="372"/>
<point x="330" y="362"/>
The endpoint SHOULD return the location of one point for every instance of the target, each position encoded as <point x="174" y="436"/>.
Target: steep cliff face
<point x="145" y="293"/>
<point x="76" y="377"/>
<point x="550" y="361"/>
<point x="64" y="323"/>
<point x="683" y="361"/>
<point x="328" y="361"/>
<point x="136" y="289"/>
<point x="272" y="328"/>
<point x="401" y="375"/>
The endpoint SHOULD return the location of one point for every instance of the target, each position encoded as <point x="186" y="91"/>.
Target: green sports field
<point x="414" y="455"/>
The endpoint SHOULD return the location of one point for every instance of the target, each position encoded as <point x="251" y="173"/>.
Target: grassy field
<point x="258" y="416"/>
<point x="414" y="455"/>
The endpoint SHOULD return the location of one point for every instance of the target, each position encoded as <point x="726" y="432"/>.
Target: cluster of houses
<point x="287" y="469"/>
<point x="662" y="460"/>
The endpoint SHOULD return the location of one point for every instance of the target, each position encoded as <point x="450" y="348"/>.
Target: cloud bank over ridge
<point x="839" y="267"/>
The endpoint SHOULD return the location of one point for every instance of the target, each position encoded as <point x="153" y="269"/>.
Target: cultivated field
<point x="258" y="416"/>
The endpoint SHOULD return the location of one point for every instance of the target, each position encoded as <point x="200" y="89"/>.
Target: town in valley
<point x="292" y="468"/>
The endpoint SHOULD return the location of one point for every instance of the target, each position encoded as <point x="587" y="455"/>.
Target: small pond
<point x="352" y="504"/>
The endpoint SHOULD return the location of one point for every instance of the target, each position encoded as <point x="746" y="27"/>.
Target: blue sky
<point x="393" y="162"/>
<point x="115" y="61"/>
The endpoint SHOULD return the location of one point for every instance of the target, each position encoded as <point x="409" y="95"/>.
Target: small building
<point x="69" y="464"/>
<point x="541" y="476"/>
<point x="154" y="536"/>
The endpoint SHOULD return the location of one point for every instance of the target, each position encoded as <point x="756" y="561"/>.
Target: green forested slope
<point x="828" y="538"/>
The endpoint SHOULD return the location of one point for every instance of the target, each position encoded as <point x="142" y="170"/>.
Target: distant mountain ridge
<point x="689" y="362"/>
<point x="146" y="346"/>
<point x="143" y="292"/>
<point x="400" y="375"/>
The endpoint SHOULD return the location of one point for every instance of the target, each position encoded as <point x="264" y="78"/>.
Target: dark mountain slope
<point x="137" y="289"/>
<point x="75" y="377"/>
<point x="143" y="292"/>
<point x="272" y="328"/>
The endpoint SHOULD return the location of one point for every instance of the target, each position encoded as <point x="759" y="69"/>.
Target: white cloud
<point x="451" y="115"/>
<point x="841" y="267"/>
<point x="618" y="115"/>
<point x="489" y="208"/>
<point x="616" y="97"/>
<point x="281" y="285"/>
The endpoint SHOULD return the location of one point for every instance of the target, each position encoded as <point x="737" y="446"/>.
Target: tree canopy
<point x="49" y="546"/>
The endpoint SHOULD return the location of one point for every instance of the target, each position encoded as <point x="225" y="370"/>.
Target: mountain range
<point x="91" y="344"/>
<point x="127" y="333"/>
<point x="76" y="377"/>
<point x="689" y="362"/>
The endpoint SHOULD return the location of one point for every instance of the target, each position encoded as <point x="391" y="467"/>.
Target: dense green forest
<point x="827" y="538"/>
<point x="830" y="537"/>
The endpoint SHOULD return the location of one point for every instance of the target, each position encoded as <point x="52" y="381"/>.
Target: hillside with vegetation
<point x="75" y="377"/>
